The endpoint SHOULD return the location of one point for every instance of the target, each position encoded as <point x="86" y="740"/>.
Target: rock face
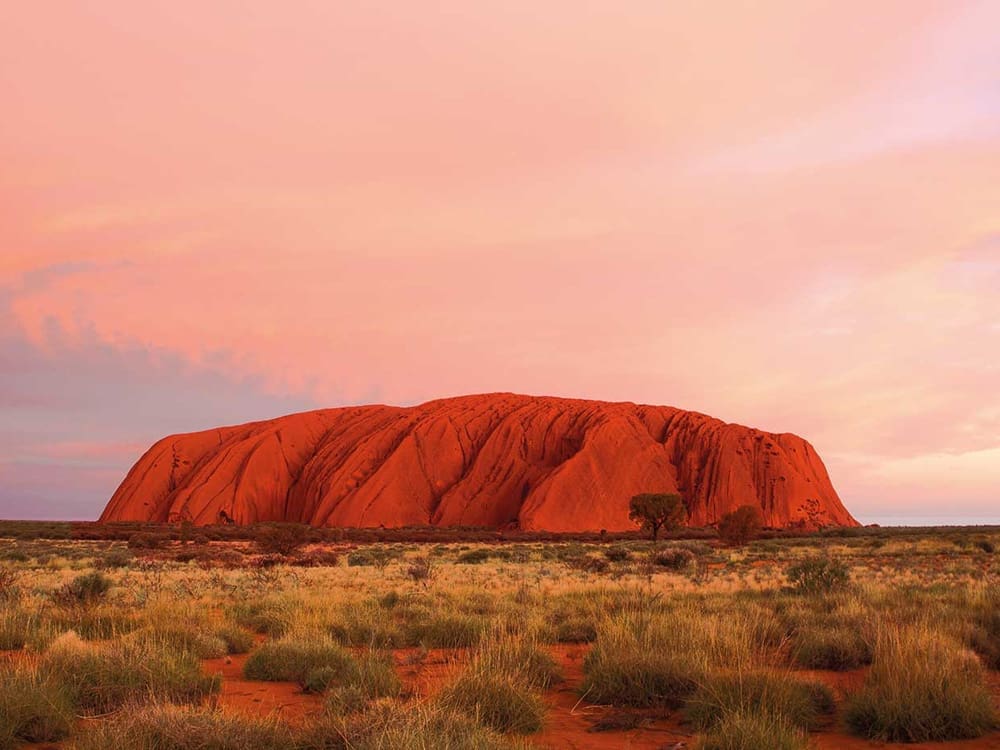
<point x="500" y="460"/>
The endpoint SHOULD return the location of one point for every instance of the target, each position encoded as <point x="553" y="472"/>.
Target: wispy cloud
<point x="774" y="214"/>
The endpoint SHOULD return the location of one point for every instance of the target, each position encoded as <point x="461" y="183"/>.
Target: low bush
<point x="473" y="556"/>
<point x="317" y="558"/>
<point x="741" y="525"/>
<point x="819" y="574"/>
<point x="921" y="687"/>
<point x="673" y="558"/>
<point x="617" y="554"/>
<point x="83" y="590"/>
<point x="281" y="538"/>
<point x="145" y="540"/>
<point x="116" y="557"/>
<point x="14" y="554"/>
<point x="378" y="556"/>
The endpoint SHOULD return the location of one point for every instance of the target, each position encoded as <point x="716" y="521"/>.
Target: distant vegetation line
<point x="26" y="529"/>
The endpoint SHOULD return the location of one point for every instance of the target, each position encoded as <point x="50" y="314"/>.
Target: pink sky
<point x="785" y="214"/>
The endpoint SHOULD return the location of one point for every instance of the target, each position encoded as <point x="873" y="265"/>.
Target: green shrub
<point x="921" y="687"/>
<point x="819" y="575"/>
<point x="750" y="730"/>
<point x="378" y="556"/>
<point x="673" y="558"/>
<point x="144" y="540"/>
<point x="116" y="557"/>
<point x="617" y="554"/>
<point x="317" y="558"/>
<point x="473" y="556"/>
<point x="83" y="590"/>
<point x="33" y="708"/>
<point x="281" y="538"/>
<point x="758" y="693"/>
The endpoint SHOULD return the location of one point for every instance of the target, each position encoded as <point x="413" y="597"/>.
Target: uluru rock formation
<point x="499" y="460"/>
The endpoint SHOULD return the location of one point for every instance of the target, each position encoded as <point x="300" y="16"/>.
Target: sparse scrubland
<point x="782" y="642"/>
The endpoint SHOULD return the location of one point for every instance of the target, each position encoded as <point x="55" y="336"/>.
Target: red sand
<point x="284" y="699"/>
<point x="498" y="460"/>
<point x="569" y="718"/>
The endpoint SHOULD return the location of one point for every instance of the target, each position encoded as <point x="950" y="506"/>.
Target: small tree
<point x="655" y="511"/>
<point x="741" y="525"/>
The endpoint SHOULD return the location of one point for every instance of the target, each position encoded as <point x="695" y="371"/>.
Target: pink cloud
<point x="779" y="215"/>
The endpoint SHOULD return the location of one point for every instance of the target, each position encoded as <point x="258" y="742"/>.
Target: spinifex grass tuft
<point x="922" y="686"/>
<point x="33" y="707"/>
<point x="170" y="727"/>
<point x="769" y="693"/>
<point x="752" y="730"/>
<point x="102" y="678"/>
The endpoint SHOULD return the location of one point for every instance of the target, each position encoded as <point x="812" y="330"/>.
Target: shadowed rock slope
<point x="500" y="460"/>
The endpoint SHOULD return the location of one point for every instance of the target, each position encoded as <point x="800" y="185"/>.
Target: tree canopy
<point x="656" y="511"/>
